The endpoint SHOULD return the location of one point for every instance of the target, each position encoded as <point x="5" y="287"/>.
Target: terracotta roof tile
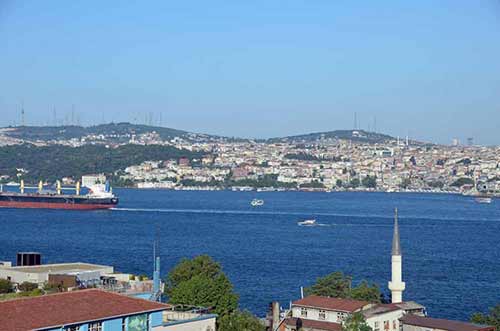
<point x="442" y="324"/>
<point x="69" y="308"/>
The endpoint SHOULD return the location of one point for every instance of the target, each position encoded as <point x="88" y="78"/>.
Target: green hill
<point x="56" y="161"/>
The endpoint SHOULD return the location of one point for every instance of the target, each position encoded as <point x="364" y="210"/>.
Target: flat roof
<point x="58" y="267"/>
<point x="71" y="308"/>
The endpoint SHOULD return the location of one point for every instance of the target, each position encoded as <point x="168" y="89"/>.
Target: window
<point x="394" y="325"/>
<point x="72" y="328"/>
<point x="96" y="326"/>
<point x="386" y="325"/>
<point x="138" y="323"/>
<point x="322" y="315"/>
<point x="303" y="312"/>
<point x="376" y="326"/>
<point x="124" y="324"/>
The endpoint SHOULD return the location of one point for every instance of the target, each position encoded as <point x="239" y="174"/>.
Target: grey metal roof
<point x="396" y="246"/>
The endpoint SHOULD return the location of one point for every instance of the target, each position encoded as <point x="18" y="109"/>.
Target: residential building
<point x="85" y="310"/>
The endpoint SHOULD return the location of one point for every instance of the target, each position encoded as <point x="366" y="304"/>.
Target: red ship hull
<point x="52" y="205"/>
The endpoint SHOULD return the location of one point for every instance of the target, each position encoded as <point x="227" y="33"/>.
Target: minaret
<point x="396" y="285"/>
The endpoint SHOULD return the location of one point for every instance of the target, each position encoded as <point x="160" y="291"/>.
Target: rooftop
<point x="442" y="324"/>
<point x="58" y="268"/>
<point x="57" y="310"/>
<point x="337" y="304"/>
<point x="380" y="309"/>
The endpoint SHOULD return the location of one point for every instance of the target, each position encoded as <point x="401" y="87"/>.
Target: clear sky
<point x="256" y="68"/>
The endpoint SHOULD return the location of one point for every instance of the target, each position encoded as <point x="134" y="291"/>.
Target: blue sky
<point x="256" y="68"/>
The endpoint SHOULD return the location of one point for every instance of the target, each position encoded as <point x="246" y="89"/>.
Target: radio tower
<point x="22" y="114"/>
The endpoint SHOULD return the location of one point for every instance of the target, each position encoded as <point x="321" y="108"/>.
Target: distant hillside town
<point x="155" y="157"/>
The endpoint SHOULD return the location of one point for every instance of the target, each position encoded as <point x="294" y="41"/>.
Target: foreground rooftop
<point x="62" y="309"/>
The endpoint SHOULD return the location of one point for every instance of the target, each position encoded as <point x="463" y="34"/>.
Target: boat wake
<point x="291" y="213"/>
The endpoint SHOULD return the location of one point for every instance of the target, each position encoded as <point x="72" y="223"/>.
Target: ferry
<point x="100" y="196"/>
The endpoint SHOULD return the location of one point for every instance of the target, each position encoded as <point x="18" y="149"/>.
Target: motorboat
<point x="307" y="223"/>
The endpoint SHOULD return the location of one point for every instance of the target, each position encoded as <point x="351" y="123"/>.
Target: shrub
<point x="6" y="286"/>
<point x="27" y="287"/>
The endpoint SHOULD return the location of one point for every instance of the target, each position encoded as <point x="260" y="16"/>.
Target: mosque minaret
<point x="396" y="285"/>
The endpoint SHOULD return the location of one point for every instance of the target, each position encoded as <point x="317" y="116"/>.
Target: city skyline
<point x="242" y="69"/>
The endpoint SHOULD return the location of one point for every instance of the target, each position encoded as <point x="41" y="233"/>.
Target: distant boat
<point x="483" y="199"/>
<point x="257" y="202"/>
<point x="307" y="223"/>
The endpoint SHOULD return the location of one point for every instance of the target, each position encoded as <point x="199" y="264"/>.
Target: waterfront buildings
<point x="323" y="163"/>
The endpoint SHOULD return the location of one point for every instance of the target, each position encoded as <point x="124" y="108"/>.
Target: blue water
<point x="451" y="246"/>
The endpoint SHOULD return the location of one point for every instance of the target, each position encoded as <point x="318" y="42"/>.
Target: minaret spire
<point x="396" y="246"/>
<point x="396" y="285"/>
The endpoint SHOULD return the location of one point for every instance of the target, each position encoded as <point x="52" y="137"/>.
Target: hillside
<point x="354" y="135"/>
<point x="115" y="131"/>
<point x="56" y="161"/>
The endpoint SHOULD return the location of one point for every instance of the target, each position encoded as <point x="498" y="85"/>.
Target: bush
<point x="27" y="287"/>
<point x="6" y="286"/>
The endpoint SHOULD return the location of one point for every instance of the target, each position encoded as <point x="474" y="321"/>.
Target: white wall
<point x="199" y="325"/>
<point x="392" y="317"/>
<point x="313" y="314"/>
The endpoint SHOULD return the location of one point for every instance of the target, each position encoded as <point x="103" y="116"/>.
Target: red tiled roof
<point x="67" y="308"/>
<point x="316" y="325"/>
<point x="337" y="304"/>
<point x="442" y="324"/>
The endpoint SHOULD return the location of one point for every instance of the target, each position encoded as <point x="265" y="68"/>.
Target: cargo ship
<point x="99" y="196"/>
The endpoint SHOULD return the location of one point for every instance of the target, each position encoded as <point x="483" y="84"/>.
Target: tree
<point x="355" y="322"/>
<point x="5" y="286"/>
<point x="366" y="292"/>
<point x="355" y="182"/>
<point x="335" y="285"/>
<point x="493" y="318"/>
<point x="27" y="286"/>
<point x="463" y="181"/>
<point x="338" y="183"/>
<point x="370" y="182"/>
<point x="201" y="282"/>
<point x="338" y="285"/>
<point x="240" y="321"/>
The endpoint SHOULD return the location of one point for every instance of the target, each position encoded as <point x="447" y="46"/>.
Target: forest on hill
<point x="50" y="163"/>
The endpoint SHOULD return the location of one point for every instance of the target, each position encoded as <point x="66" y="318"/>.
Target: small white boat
<point x="307" y="223"/>
<point x="257" y="202"/>
<point x="483" y="199"/>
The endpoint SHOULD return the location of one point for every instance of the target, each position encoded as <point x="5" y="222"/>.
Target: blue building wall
<point x="155" y="319"/>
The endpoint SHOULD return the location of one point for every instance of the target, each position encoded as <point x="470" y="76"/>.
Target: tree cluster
<point x="338" y="285"/>
<point x="492" y="318"/>
<point x="201" y="282"/>
<point x="54" y="162"/>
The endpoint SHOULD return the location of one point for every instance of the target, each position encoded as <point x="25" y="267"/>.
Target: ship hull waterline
<point x="54" y="205"/>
